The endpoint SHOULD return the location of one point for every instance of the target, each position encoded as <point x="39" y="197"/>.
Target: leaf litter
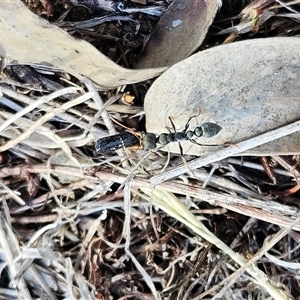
<point x="76" y="225"/>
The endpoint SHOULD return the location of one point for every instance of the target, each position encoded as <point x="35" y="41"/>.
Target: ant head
<point x="198" y="131"/>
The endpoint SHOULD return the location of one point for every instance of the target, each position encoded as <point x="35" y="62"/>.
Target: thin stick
<point x="44" y="119"/>
<point x="226" y="152"/>
<point x="36" y="104"/>
<point x="262" y="209"/>
<point x="101" y="106"/>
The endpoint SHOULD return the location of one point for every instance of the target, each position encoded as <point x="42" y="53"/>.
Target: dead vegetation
<point x="77" y="225"/>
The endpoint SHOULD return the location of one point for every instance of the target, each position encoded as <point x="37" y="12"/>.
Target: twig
<point x="284" y="163"/>
<point x="44" y="119"/>
<point x="13" y="194"/>
<point x="36" y="104"/>
<point x="10" y="249"/>
<point x="229" y="281"/>
<point x="101" y="106"/>
<point x="256" y="166"/>
<point x="265" y="210"/>
<point x="69" y="116"/>
<point x="226" y="152"/>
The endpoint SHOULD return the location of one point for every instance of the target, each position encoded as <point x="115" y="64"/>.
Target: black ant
<point x="149" y="141"/>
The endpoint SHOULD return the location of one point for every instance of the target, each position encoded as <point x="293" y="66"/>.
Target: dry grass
<point x="76" y="225"/>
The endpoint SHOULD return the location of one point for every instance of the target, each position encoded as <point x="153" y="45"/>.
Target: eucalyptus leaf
<point x="179" y="32"/>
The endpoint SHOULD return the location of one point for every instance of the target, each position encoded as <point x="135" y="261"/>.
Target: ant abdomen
<point x="148" y="141"/>
<point x="115" y="142"/>
<point x="207" y="130"/>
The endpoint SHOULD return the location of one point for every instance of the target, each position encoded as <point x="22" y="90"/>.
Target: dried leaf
<point x="26" y="38"/>
<point x="179" y="32"/>
<point x="33" y="183"/>
<point x="253" y="16"/>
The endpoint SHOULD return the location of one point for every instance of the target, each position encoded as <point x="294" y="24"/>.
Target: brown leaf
<point x="33" y="186"/>
<point x="179" y="32"/>
<point x="33" y="183"/>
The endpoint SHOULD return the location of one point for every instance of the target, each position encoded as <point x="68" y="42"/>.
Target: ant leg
<point x="180" y="147"/>
<point x="185" y="162"/>
<point x="194" y="142"/>
<point x="181" y="150"/>
<point x="172" y="123"/>
<point x="189" y="120"/>
<point x="186" y="125"/>
<point x="174" y="129"/>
